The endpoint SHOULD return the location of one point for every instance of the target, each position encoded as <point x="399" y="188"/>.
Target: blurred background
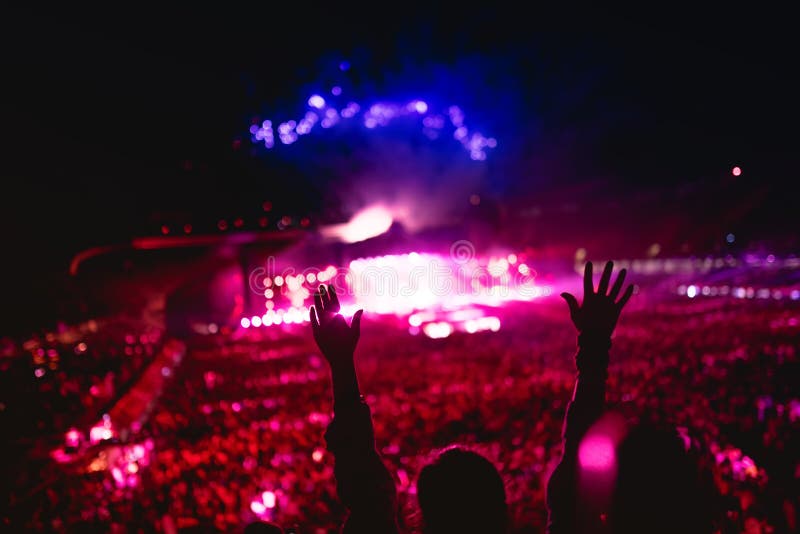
<point x="176" y="181"/>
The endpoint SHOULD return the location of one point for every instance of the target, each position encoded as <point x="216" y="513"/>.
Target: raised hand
<point x="335" y="339"/>
<point x="598" y="314"/>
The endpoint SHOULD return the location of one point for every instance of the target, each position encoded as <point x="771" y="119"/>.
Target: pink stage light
<point x="596" y="453"/>
<point x="736" y="171"/>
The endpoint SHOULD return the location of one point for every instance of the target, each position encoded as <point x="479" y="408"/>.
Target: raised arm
<point x="595" y="320"/>
<point x="363" y="483"/>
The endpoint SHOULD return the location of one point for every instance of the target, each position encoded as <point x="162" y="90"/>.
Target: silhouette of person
<point x="460" y="491"/>
<point x="657" y="485"/>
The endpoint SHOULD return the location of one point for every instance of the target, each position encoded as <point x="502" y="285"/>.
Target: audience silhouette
<point x="657" y="487"/>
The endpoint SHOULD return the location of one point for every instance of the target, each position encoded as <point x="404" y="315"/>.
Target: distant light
<point x="269" y="499"/>
<point x="165" y="229"/>
<point x="187" y="228"/>
<point x="369" y="222"/>
<point x="279" y="280"/>
<point x="474" y="200"/>
<point x="336" y="90"/>
<point x="420" y="106"/>
<point x="730" y="238"/>
<point x="258" y="507"/>
<point x="222" y="224"/>
<point x="437" y="330"/>
<point x="213" y="328"/>
<point x="771" y="258"/>
<point x="255" y="321"/>
<point x="72" y="438"/>
<point x="39" y="372"/>
<point x="736" y="171"/>
<point x="691" y="291"/>
<point x="317" y="455"/>
<point x="344" y="66"/>
<point x="512" y="259"/>
<point x="245" y="322"/>
<point x="316" y="101"/>
<point x="311" y="278"/>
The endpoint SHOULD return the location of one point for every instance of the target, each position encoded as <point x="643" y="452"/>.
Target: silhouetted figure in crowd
<point x="459" y="492"/>
<point x="658" y="487"/>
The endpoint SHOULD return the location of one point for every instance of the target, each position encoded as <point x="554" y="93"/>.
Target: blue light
<point x="316" y="101"/>
<point x="344" y="66"/>
<point x="451" y="121"/>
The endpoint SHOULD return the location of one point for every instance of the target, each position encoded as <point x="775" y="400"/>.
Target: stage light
<point x="730" y="238"/>
<point x="255" y="321"/>
<point x="336" y="90"/>
<point x="736" y="171"/>
<point x="245" y="322"/>
<point x="691" y="291"/>
<point x="316" y="101"/>
<point x="268" y="497"/>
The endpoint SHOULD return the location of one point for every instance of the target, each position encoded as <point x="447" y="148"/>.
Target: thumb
<point x="355" y="324"/>
<point x="572" y="302"/>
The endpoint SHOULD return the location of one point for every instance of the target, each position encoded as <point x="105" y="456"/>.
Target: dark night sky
<point x="102" y="109"/>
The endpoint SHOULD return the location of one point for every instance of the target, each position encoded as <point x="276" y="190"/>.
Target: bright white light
<point x="258" y="507"/>
<point x="691" y="291"/>
<point x="316" y="101"/>
<point x="437" y="330"/>
<point x="245" y="322"/>
<point x="255" y="321"/>
<point x="269" y="499"/>
<point x="369" y="222"/>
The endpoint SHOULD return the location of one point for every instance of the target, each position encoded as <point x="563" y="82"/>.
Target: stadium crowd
<point x="238" y="435"/>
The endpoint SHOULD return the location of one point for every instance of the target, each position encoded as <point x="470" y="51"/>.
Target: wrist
<point x="594" y="340"/>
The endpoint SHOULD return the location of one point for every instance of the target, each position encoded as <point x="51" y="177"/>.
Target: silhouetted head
<point x="461" y="491"/>
<point x="660" y="487"/>
<point x="262" y="527"/>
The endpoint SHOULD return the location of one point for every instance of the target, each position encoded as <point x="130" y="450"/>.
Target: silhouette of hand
<point x="335" y="339"/>
<point x="598" y="314"/>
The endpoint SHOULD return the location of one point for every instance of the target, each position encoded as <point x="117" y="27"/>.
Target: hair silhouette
<point x="660" y="486"/>
<point x="461" y="491"/>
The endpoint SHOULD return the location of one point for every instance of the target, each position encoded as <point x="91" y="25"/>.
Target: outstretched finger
<point x="355" y="324"/>
<point x="618" y="284"/>
<point x="572" y="302"/>
<point x="318" y="300"/>
<point x="588" y="284"/>
<point x="625" y="297"/>
<point x="605" y="278"/>
<point x="334" y="300"/>
<point x="312" y="315"/>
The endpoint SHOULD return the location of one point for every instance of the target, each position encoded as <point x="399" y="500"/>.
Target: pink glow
<point x="72" y="438"/>
<point x="596" y="453"/>
<point x="736" y="171"/>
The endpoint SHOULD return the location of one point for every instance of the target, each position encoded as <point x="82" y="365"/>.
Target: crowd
<point x="55" y="385"/>
<point x="238" y="436"/>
